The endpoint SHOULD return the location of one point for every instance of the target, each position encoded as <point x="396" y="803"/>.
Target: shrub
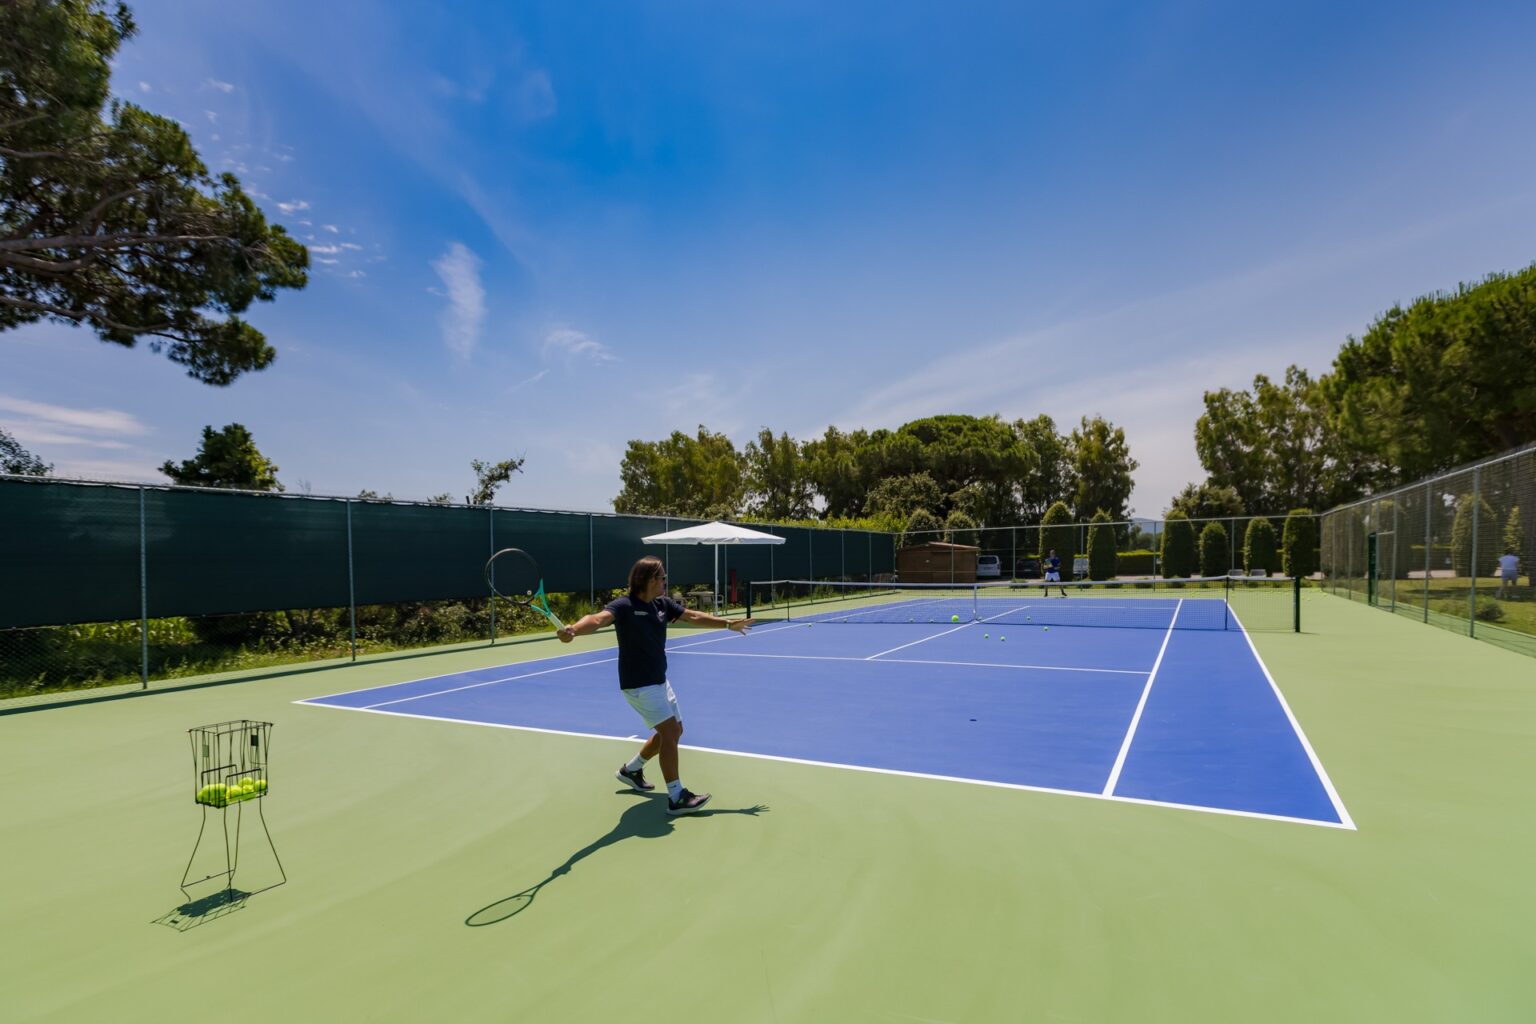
<point x="1101" y="548"/>
<point x="1298" y="545"/>
<point x="1214" y="559"/>
<point x="1057" y="533"/>
<point x="919" y="525"/>
<point x="1178" y="546"/>
<point x="1259" y="551"/>
<point x="960" y="528"/>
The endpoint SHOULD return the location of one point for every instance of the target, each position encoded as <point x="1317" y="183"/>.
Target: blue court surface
<point x="1184" y="717"/>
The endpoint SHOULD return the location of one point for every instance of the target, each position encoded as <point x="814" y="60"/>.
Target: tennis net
<point x="1212" y="603"/>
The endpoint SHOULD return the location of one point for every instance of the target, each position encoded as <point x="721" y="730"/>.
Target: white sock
<point x="636" y="763"/>
<point x="675" y="790"/>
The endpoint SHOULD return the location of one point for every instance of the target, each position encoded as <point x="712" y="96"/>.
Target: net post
<point x="1296" y="604"/>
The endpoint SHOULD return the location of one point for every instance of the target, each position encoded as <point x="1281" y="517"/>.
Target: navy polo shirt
<point x="642" y="630"/>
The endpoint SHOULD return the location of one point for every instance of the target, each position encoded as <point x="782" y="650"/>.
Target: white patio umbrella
<point x="716" y="533"/>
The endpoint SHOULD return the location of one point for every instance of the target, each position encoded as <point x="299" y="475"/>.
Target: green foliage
<point x="1059" y="534"/>
<point x="922" y="527"/>
<point x="1214" y="558"/>
<point x="778" y="482"/>
<point x="110" y="219"/>
<point x="1208" y="501"/>
<point x="1141" y="562"/>
<point x="1102" y="555"/>
<point x="836" y="464"/>
<point x="1443" y="382"/>
<point x="900" y="496"/>
<point x="1298" y="543"/>
<point x="700" y="477"/>
<point x="226" y="458"/>
<point x="17" y="460"/>
<point x="489" y="476"/>
<point x="1101" y="468"/>
<point x="1051" y="475"/>
<point x="1178" y="555"/>
<point x="960" y="528"/>
<point x="1273" y="446"/>
<point x="1461" y="538"/>
<point x="1514" y="533"/>
<point x="1259" y="549"/>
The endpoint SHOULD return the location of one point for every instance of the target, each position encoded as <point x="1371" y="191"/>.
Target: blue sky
<point x="542" y="229"/>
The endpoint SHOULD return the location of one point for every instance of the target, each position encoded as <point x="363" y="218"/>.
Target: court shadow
<point x="201" y="911"/>
<point x="647" y="818"/>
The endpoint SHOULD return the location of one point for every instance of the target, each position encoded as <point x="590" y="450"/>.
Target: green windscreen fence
<point x="74" y="553"/>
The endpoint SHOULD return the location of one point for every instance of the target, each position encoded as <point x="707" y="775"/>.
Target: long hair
<point x="642" y="572"/>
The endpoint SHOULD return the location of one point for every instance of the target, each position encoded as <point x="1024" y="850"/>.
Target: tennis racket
<point x="511" y="573"/>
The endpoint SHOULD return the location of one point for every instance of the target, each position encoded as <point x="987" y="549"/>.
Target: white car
<point x="988" y="566"/>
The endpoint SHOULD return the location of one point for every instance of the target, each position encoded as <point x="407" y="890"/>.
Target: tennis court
<point x="1324" y="825"/>
<point x="1157" y="698"/>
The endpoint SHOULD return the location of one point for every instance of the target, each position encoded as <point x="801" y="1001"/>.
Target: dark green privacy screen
<point x="78" y="552"/>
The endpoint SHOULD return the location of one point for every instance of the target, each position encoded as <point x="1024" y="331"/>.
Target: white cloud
<point x="293" y="206"/>
<point x="535" y="96"/>
<point x="332" y="228"/>
<point x="461" y="321"/>
<point x="574" y="345"/>
<point x="145" y="87"/>
<point x="27" y="414"/>
<point x="212" y="116"/>
<point x="224" y="87"/>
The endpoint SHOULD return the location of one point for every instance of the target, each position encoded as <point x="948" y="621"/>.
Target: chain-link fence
<point x="1016" y="552"/>
<point x="1454" y="550"/>
<point x="120" y="585"/>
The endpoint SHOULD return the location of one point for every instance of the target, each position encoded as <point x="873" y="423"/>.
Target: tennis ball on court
<point x="1002" y="638"/>
<point x="986" y="636"/>
<point x="1046" y="628"/>
<point x="954" y="618"/>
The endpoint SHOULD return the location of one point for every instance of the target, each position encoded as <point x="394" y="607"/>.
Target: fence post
<point x="352" y="587"/>
<point x="1477" y="499"/>
<point x="1429" y="515"/>
<point x="491" y="512"/>
<point x="143" y="597"/>
<point x="591" y="564"/>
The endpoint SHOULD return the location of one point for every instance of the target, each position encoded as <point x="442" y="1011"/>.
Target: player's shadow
<point x="646" y="819"/>
<point x="201" y="911"/>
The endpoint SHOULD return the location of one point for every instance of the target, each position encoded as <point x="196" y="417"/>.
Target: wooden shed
<point x="937" y="562"/>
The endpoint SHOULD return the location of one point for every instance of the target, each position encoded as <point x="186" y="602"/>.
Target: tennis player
<point x="1053" y="573"/>
<point x="1509" y="570"/>
<point x="640" y="619"/>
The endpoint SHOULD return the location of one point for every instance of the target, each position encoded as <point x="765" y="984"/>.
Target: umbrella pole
<point x="715" y="597"/>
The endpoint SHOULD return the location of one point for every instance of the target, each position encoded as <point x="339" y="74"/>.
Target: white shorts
<point x="654" y="704"/>
<point x="1052" y="577"/>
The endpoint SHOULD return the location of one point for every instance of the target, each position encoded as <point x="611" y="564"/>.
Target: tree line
<point x="978" y="470"/>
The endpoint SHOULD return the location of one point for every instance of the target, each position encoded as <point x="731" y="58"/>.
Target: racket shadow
<point x="646" y="819"/>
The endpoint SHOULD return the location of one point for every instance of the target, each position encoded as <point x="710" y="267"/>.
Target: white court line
<point x="1317" y="764"/>
<point x="915" y="661"/>
<point x="492" y="682"/>
<point x="864" y="768"/>
<point x="935" y="636"/>
<point x="1125" y="746"/>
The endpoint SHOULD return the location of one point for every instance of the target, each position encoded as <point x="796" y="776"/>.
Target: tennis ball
<point x="986" y="636"/>
<point x="261" y="785"/>
<point x="1046" y="628"/>
<point x="954" y="618"/>
<point x="205" y="795"/>
<point x="1002" y="638"/>
<point x="247" y="782"/>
